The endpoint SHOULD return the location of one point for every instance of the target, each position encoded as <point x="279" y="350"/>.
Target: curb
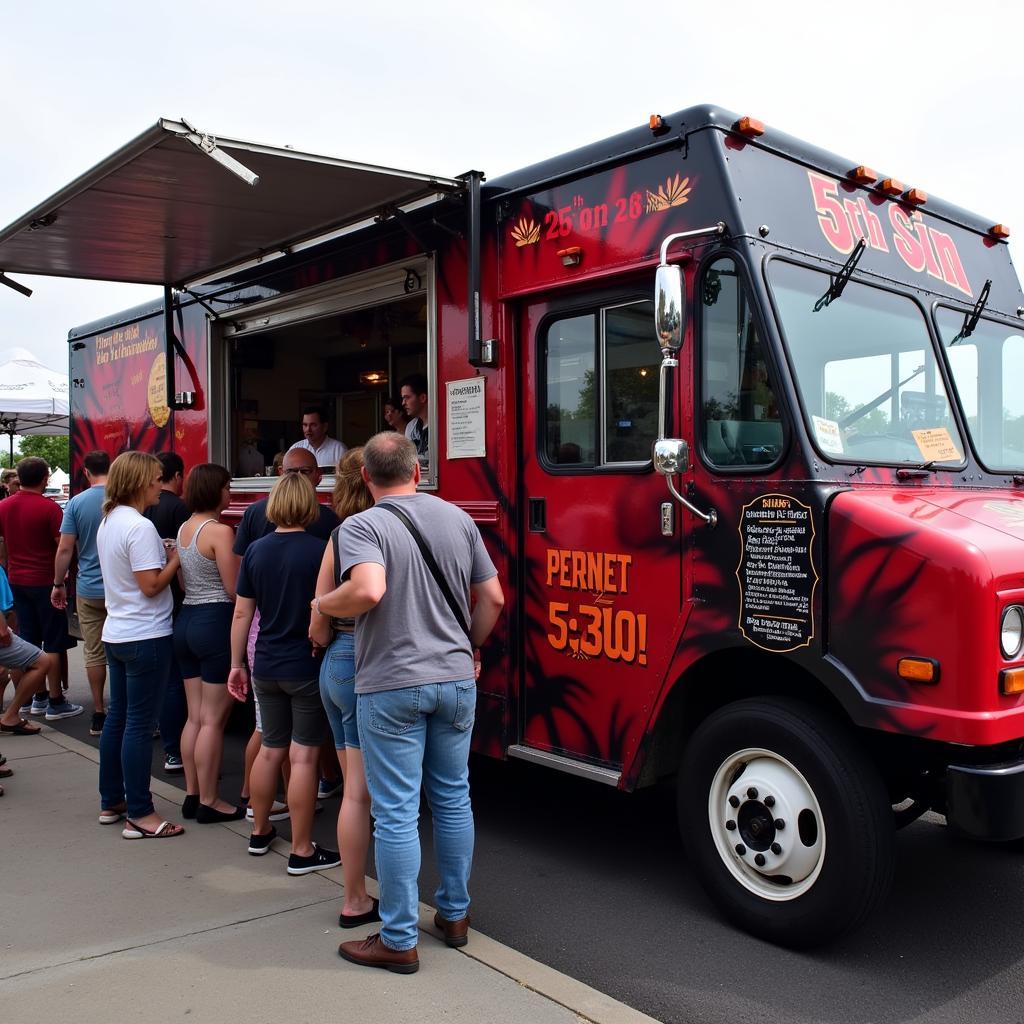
<point x="587" y="1003"/>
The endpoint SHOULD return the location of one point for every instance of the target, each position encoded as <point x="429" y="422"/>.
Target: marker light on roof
<point x="891" y="187"/>
<point x="750" y="126"/>
<point x="915" y="196"/>
<point x="999" y="231"/>
<point x="863" y="175"/>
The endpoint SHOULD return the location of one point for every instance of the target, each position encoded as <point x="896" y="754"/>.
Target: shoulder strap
<point x="432" y="565"/>
<point x="336" y="542"/>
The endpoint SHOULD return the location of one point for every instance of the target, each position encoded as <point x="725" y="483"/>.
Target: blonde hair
<point x="350" y="495"/>
<point x="131" y="475"/>
<point x="293" y="502"/>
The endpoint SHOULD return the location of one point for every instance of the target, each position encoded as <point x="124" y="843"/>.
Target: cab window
<point x="600" y="381"/>
<point x="740" y="422"/>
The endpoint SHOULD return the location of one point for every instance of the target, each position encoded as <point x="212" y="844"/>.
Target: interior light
<point x="373" y="377"/>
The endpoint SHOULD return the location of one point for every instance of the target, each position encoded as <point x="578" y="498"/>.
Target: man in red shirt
<point x="30" y="527"/>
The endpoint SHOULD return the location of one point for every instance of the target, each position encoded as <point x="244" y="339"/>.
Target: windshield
<point x="988" y="368"/>
<point x="866" y="371"/>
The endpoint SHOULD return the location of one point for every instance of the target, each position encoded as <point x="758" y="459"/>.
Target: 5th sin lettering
<point x="619" y="635"/>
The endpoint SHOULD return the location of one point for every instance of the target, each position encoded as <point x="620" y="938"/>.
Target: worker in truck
<point x="414" y="402"/>
<point x="326" y="450"/>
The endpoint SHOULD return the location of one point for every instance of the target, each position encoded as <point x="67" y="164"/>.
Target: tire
<point x="830" y="864"/>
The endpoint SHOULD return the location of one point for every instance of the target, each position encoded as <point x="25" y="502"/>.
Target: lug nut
<point x="769" y="801"/>
<point x="759" y="860"/>
<point x="731" y="826"/>
<point x="780" y="824"/>
<point x="741" y="849"/>
<point x="776" y="849"/>
<point x="752" y="793"/>
<point x="734" y="801"/>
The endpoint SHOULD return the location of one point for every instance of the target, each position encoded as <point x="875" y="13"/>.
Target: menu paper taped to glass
<point x="467" y="436"/>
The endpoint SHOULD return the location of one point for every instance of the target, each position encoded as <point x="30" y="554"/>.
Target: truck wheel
<point x="788" y="824"/>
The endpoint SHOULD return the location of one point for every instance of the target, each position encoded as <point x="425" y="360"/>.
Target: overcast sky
<point x="930" y="93"/>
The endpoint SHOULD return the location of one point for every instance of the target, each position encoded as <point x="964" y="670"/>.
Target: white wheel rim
<point x="777" y="864"/>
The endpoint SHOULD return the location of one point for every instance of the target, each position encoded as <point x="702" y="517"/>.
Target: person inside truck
<point x="326" y="450"/>
<point x="394" y="415"/>
<point x="414" y="402"/>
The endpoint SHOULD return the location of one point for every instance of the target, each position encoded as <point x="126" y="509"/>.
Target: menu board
<point x="776" y="573"/>
<point x="467" y="433"/>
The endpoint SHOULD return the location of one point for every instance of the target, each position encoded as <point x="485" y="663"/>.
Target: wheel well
<point x="719" y="679"/>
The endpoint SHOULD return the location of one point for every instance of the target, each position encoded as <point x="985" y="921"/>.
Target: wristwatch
<point x="58" y="586"/>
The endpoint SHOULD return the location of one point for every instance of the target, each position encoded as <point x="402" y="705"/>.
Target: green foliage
<point x="54" y="449"/>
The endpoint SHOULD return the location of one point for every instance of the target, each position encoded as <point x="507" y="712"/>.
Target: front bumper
<point x="986" y="802"/>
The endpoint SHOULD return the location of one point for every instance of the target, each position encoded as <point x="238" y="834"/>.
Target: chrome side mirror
<point x="669" y="306"/>
<point x="671" y="456"/>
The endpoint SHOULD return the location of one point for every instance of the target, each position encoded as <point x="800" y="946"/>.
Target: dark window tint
<point x="601" y="381"/>
<point x="740" y="423"/>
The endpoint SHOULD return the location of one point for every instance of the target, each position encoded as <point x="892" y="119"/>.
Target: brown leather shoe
<point x="455" y="932"/>
<point x="371" y="952"/>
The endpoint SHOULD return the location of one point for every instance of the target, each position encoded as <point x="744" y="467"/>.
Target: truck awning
<point x="176" y="206"/>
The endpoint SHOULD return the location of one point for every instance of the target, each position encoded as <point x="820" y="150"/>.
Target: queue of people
<point x="350" y="629"/>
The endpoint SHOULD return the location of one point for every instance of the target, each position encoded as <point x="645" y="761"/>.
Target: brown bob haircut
<point x="293" y="502"/>
<point x="204" y="486"/>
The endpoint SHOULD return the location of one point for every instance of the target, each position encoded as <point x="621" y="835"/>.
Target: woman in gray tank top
<point x="209" y="570"/>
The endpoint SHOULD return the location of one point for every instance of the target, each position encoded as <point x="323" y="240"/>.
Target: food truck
<point x="740" y="421"/>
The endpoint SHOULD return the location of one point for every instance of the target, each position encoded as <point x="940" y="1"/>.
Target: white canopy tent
<point x="33" y="398"/>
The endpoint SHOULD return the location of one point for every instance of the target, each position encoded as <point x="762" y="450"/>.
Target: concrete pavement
<point x="94" y="928"/>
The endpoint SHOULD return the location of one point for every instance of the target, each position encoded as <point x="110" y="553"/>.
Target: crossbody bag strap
<point x="432" y="565"/>
<point x="336" y="542"/>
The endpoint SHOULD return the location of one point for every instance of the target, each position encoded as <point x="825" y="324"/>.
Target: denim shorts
<point x="202" y="641"/>
<point x="292" y="712"/>
<point x="338" y="690"/>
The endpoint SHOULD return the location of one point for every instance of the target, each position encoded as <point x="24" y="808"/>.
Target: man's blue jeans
<point x="138" y="677"/>
<point x="415" y="736"/>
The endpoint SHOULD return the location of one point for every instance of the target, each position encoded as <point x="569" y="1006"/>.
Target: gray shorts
<point x="292" y="712"/>
<point x="19" y="654"/>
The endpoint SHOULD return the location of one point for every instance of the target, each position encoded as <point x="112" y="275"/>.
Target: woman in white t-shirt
<point x="137" y="635"/>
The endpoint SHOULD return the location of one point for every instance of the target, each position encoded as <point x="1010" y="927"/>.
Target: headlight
<point x="1011" y="631"/>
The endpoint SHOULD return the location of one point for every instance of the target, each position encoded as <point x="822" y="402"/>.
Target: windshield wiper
<point x="839" y="282"/>
<point x="971" y="319"/>
<point x="912" y="472"/>
<point x="849" y="420"/>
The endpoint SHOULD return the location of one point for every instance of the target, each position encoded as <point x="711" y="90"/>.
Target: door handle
<point x="538" y="515"/>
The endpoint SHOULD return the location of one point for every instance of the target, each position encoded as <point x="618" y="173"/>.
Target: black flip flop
<point x="23" y="728"/>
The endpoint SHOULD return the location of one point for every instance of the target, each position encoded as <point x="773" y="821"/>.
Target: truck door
<point x="601" y="583"/>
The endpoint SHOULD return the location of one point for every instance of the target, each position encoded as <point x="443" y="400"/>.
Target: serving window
<point x="344" y="347"/>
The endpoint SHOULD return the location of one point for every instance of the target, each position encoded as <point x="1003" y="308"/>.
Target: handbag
<point x="432" y="565"/>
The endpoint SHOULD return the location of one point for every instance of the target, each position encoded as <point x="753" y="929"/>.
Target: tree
<point x="54" y="450"/>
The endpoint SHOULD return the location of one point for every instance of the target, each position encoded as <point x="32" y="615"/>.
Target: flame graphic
<point x="525" y="232"/>
<point x="673" y="193"/>
<point x="1012" y="513"/>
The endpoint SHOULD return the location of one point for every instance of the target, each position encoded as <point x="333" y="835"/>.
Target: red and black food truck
<point x="741" y="423"/>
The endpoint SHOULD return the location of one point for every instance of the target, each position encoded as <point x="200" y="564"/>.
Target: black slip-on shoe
<point x="319" y="860"/>
<point x="259" y="845"/>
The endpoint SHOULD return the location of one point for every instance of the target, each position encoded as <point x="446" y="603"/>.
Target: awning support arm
<point x="480" y="353"/>
<point x="208" y="145"/>
<point x="173" y="346"/>
<point x="405" y="223"/>
<point x="15" y="285"/>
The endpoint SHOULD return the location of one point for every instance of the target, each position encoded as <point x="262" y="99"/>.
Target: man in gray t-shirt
<point x="416" y="689"/>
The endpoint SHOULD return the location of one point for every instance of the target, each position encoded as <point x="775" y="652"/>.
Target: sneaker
<point x="37" y="707"/>
<point x="278" y="811"/>
<point x="327" y="789"/>
<point x="173" y="764"/>
<point x="65" y="709"/>
<point x="259" y="845"/>
<point x="98" y="718"/>
<point x="319" y="860"/>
